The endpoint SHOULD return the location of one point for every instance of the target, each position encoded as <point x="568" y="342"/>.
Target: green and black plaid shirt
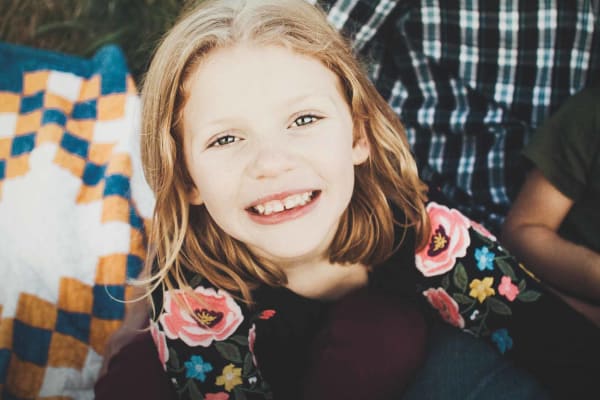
<point x="471" y="80"/>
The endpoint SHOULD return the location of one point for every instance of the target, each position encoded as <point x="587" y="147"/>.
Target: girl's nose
<point x="271" y="160"/>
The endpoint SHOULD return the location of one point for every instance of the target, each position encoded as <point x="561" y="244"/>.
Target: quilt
<point x="74" y="209"/>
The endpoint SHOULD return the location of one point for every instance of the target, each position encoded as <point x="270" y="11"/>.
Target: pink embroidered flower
<point x="508" y="289"/>
<point x="160" y="341"/>
<point x="217" y="396"/>
<point x="267" y="314"/>
<point x="447" y="307"/>
<point x="217" y="316"/>
<point x="251" y="340"/>
<point x="483" y="231"/>
<point x="449" y="240"/>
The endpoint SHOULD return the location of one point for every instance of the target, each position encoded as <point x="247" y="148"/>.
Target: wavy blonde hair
<point x="185" y="236"/>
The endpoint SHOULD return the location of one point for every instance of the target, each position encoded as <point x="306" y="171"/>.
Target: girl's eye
<point x="305" y="120"/>
<point x="224" y="140"/>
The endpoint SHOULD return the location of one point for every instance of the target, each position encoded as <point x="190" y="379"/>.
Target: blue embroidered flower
<point x="502" y="340"/>
<point x="196" y="368"/>
<point x="485" y="258"/>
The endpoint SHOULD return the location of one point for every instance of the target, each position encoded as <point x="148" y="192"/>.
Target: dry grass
<point x="82" y="26"/>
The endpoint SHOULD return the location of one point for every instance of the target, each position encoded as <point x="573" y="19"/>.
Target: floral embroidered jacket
<point x="463" y="276"/>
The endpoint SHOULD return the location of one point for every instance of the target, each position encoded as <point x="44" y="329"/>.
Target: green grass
<point x="80" y="27"/>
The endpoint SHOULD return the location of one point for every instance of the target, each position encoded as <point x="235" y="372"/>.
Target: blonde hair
<point x="185" y="236"/>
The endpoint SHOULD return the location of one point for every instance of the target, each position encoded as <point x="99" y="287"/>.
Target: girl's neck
<point x="326" y="281"/>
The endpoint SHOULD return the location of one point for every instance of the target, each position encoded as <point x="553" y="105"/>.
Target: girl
<point x="288" y="211"/>
<point x="273" y="184"/>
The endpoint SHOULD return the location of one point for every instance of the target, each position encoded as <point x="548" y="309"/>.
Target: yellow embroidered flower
<point x="231" y="377"/>
<point x="482" y="289"/>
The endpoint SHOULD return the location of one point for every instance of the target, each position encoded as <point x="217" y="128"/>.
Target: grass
<point x="80" y="27"/>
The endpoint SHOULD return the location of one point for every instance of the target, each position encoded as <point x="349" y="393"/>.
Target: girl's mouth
<point x="287" y="203"/>
<point x="276" y="211"/>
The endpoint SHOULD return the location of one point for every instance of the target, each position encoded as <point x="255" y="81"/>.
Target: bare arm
<point x="530" y="232"/>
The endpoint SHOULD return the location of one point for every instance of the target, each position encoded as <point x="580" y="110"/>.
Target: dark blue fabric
<point x="460" y="366"/>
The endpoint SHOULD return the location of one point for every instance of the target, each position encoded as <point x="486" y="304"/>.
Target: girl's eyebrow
<point x="219" y="121"/>
<point x="306" y="97"/>
<point x="291" y="102"/>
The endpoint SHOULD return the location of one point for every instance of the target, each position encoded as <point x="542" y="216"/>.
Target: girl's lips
<point x="286" y="215"/>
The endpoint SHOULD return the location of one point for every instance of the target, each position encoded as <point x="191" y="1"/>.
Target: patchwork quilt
<point x="74" y="209"/>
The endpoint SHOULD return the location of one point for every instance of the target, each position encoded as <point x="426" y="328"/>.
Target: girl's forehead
<point x="243" y="64"/>
<point x="249" y="49"/>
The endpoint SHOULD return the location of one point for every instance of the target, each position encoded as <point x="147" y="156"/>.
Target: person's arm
<point x="588" y="310"/>
<point x="530" y="232"/>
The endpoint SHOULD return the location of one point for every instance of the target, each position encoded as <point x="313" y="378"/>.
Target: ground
<point x="82" y="26"/>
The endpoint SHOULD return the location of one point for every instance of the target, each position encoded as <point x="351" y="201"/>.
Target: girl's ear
<point x="194" y="196"/>
<point x="360" y="150"/>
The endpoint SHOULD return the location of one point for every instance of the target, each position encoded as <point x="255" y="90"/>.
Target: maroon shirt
<point x="369" y="346"/>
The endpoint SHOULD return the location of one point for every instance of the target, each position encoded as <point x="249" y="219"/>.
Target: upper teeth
<point x="289" y="202"/>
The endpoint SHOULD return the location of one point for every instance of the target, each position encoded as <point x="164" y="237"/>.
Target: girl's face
<point x="268" y="142"/>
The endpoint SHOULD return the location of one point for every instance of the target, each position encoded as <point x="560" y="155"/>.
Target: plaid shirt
<point x="471" y="80"/>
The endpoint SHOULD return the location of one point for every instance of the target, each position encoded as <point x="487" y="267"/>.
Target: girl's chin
<point x="291" y="256"/>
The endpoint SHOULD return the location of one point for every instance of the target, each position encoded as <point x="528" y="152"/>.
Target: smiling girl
<point x="268" y="139"/>
<point x="258" y="127"/>
<point x="288" y="213"/>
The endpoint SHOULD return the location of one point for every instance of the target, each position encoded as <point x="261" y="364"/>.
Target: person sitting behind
<point x="554" y="224"/>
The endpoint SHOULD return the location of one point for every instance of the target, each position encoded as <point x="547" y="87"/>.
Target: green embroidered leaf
<point x="256" y="391"/>
<point x="462" y="299"/>
<point x="182" y="389"/>
<point x="173" y="359"/>
<point x="196" y="281"/>
<point x="459" y="277"/>
<point x="506" y="268"/>
<point x="193" y="391"/>
<point x="498" y="307"/>
<point x="248" y="366"/>
<point x="239" y="393"/>
<point x="522" y="285"/>
<point x="489" y="242"/>
<point x="529" y="296"/>
<point x="266" y="391"/>
<point x="445" y="282"/>
<point x="239" y="339"/>
<point x="229" y="352"/>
